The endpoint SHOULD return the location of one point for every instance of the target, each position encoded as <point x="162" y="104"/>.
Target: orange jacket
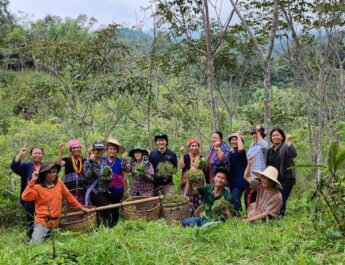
<point x="48" y="201"/>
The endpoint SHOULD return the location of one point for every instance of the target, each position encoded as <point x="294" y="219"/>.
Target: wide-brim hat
<point x="113" y="141"/>
<point x="46" y="167"/>
<point x="270" y="173"/>
<point x="232" y="135"/>
<point x="136" y="149"/>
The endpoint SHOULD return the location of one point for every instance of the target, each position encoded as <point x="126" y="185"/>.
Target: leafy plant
<point x="106" y="173"/>
<point x="195" y="176"/>
<point x="222" y="209"/>
<point x="139" y="169"/>
<point x="166" y="170"/>
<point x="176" y="198"/>
<point x="203" y="163"/>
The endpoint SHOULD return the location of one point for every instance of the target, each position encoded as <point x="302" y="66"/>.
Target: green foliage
<point x="165" y="170"/>
<point x="222" y="209"/>
<point x="140" y="169"/>
<point x="176" y="198"/>
<point x="195" y="176"/>
<point x="106" y="173"/>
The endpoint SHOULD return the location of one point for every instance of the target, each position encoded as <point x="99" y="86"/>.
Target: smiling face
<point x="112" y="151"/>
<point x="76" y="150"/>
<point x="233" y="142"/>
<point x="51" y="176"/>
<point x="215" y="138"/>
<point x="138" y="155"/>
<point x="276" y="138"/>
<point x="98" y="153"/>
<point x="194" y="148"/>
<point x="36" y="155"/>
<point x="220" y="179"/>
<point x="161" y="143"/>
<point x="266" y="182"/>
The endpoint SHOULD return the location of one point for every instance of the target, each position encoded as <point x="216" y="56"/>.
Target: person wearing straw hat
<point x="142" y="172"/>
<point x="258" y="148"/>
<point x="25" y="170"/>
<point x="118" y="184"/>
<point x="269" y="199"/>
<point x="47" y="191"/>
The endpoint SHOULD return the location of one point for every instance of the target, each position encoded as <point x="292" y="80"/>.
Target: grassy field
<point x="291" y="240"/>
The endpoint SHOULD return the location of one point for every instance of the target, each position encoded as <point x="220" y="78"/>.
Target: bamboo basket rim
<point x="86" y="218"/>
<point x="126" y="207"/>
<point x="175" y="204"/>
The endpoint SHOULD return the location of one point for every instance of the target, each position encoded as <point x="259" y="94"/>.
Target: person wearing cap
<point x="217" y="155"/>
<point x="118" y="184"/>
<point x="190" y="161"/>
<point x="281" y="156"/>
<point x="210" y="193"/>
<point x="237" y="166"/>
<point x="142" y="184"/>
<point x="159" y="155"/>
<point x="74" y="178"/>
<point x="47" y="192"/>
<point x="25" y="170"/>
<point x="269" y="198"/>
<point x="258" y="149"/>
<point x="98" y="191"/>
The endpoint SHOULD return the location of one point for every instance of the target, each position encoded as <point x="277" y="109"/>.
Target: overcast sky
<point x="127" y="12"/>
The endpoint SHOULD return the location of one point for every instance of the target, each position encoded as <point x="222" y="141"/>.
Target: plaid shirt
<point x="142" y="184"/>
<point x="93" y="171"/>
<point x="258" y="149"/>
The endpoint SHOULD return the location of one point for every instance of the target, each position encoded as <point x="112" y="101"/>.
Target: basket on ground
<point x="79" y="223"/>
<point x="143" y="211"/>
<point x="176" y="212"/>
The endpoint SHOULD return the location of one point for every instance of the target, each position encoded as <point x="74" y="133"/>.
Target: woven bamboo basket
<point x="176" y="212"/>
<point x="143" y="211"/>
<point x="80" y="223"/>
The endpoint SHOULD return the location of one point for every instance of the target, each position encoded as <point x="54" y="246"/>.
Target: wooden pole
<point x="112" y="206"/>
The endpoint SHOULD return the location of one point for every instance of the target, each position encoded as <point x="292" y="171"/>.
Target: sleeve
<point x="149" y="175"/>
<point x="226" y="153"/>
<point x="263" y="146"/>
<point x="274" y="205"/>
<point x="291" y="150"/>
<point x="126" y="165"/>
<point x="69" y="197"/>
<point x="268" y="157"/>
<point x="174" y="160"/>
<point x="88" y="169"/>
<point x="30" y="192"/>
<point x="92" y="170"/>
<point x="255" y="184"/>
<point x="16" y="167"/>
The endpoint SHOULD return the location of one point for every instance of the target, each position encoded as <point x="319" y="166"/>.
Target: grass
<point x="291" y="240"/>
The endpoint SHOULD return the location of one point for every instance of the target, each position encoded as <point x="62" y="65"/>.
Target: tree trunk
<point x="267" y="86"/>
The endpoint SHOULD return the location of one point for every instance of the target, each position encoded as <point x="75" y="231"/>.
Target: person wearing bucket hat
<point x="118" y="184"/>
<point x="142" y="172"/>
<point x="24" y="170"/>
<point x="74" y="178"/>
<point x="47" y="191"/>
<point x="160" y="155"/>
<point x="217" y="155"/>
<point x="190" y="161"/>
<point x="98" y="191"/>
<point x="269" y="198"/>
<point x="210" y="193"/>
<point x="238" y="163"/>
<point x="259" y="149"/>
<point x="281" y="156"/>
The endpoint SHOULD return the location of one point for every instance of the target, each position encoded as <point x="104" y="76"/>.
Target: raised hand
<point x="251" y="159"/>
<point x="22" y="152"/>
<point x="182" y="149"/>
<point x="124" y="156"/>
<point x="34" y="175"/>
<point x="61" y="146"/>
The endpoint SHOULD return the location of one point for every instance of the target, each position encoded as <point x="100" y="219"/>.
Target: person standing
<point x="118" y="184"/>
<point x="281" y="156"/>
<point x="237" y="166"/>
<point x="217" y="155"/>
<point x="159" y="155"/>
<point x="258" y="149"/>
<point x="25" y="170"/>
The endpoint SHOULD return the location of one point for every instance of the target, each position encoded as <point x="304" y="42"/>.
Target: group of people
<point x="263" y="174"/>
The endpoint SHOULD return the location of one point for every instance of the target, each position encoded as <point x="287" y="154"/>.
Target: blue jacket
<point x="24" y="170"/>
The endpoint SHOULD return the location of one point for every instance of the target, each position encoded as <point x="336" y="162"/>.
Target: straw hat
<point x="270" y="173"/>
<point x="114" y="142"/>
<point x="232" y="135"/>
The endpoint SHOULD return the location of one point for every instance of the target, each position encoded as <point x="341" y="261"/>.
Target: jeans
<point x="236" y="193"/>
<point x="194" y="221"/>
<point x="40" y="234"/>
<point x="286" y="191"/>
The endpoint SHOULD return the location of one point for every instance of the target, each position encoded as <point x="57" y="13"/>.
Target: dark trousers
<point x="115" y="197"/>
<point x="236" y="193"/>
<point x="286" y="191"/>
<point x="29" y="225"/>
<point x="101" y="199"/>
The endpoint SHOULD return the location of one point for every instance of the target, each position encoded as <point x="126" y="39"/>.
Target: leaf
<point x="340" y="160"/>
<point x="332" y="154"/>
